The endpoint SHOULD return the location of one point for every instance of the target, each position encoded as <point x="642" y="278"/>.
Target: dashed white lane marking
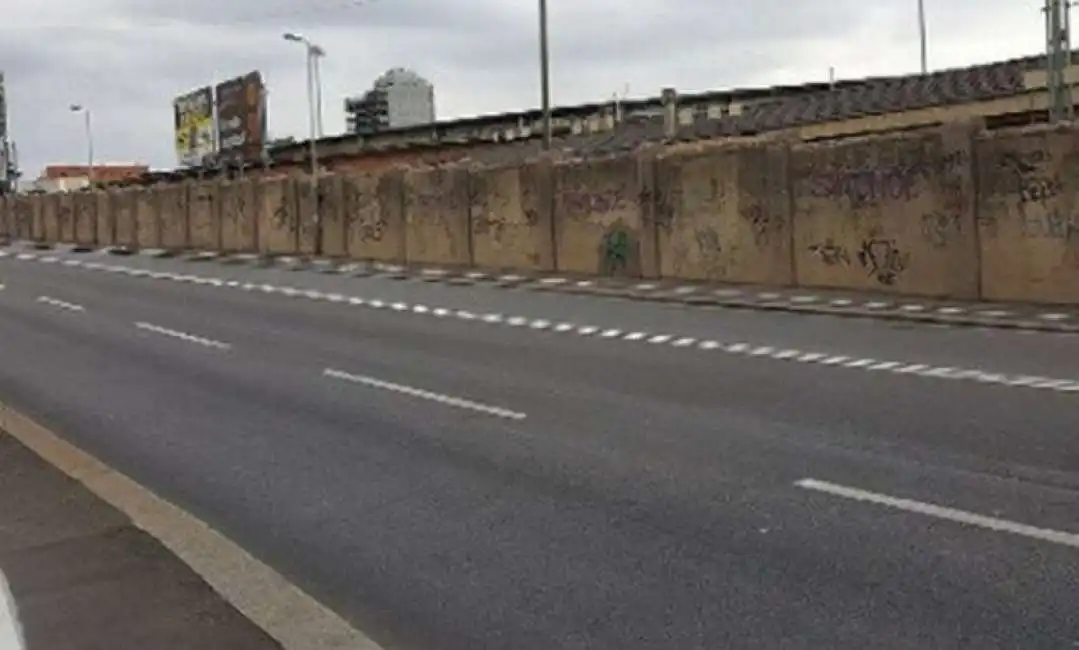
<point x="183" y="336"/>
<point x="412" y="391"/>
<point x="60" y="304"/>
<point x="1056" y="384"/>
<point x="11" y="632"/>
<point x="941" y="512"/>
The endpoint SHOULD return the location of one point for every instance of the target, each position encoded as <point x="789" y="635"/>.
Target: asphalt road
<point x="449" y="479"/>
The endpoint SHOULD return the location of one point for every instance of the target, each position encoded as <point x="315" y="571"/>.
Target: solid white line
<point x="60" y="304"/>
<point x="11" y="633"/>
<point x="941" y="512"/>
<point x="189" y="338"/>
<point x="411" y="391"/>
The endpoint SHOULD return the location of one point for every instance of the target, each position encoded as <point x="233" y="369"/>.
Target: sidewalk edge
<point x="269" y="600"/>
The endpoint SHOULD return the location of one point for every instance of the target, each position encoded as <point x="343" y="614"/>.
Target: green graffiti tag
<point x="616" y="251"/>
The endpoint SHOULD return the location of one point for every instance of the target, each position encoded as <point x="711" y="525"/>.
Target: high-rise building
<point x="399" y="98"/>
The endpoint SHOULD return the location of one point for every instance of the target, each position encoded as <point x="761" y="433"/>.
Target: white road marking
<point x="412" y="391"/>
<point x="1057" y="384"/>
<point x="61" y="304"/>
<point x="941" y="512"/>
<point x="11" y="633"/>
<point x="183" y="336"/>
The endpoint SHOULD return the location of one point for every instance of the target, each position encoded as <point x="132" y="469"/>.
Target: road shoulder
<point x="93" y="557"/>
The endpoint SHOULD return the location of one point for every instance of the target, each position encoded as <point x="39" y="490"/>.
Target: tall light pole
<point x="545" y="75"/>
<point x="923" y="37"/>
<point x="79" y="108"/>
<point x="314" y="108"/>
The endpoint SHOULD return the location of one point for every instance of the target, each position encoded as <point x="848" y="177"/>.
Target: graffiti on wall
<point x="710" y="249"/>
<point x="865" y="187"/>
<point x="363" y="214"/>
<point x="762" y="224"/>
<point x="492" y="224"/>
<point x="941" y="228"/>
<point x="830" y="253"/>
<point x="869" y="185"/>
<point x="582" y="204"/>
<point x="1050" y="225"/>
<point x="1035" y="186"/>
<point x="282" y="210"/>
<point x="883" y="260"/>
<point x="616" y="250"/>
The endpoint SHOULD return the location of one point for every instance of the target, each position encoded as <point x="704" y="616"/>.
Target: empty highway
<point x="479" y="467"/>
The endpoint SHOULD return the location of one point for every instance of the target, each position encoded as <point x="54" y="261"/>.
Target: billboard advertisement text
<point x="193" y="117"/>
<point x="241" y="118"/>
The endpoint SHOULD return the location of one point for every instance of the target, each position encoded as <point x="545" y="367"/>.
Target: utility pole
<point x="88" y="127"/>
<point x="314" y="109"/>
<point x="545" y="75"/>
<point x="923" y="37"/>
<point x="1058" y="59"/>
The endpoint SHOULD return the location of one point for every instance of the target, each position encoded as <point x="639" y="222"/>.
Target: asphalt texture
<point x="83" y="577"/>
<point x="458" y="484"/>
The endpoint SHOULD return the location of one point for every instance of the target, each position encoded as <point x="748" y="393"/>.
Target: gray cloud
<point x="127" y="59"/>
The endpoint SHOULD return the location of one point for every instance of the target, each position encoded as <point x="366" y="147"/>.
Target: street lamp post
<point x="314" y="107"/>
<point x="923" y="37"/>
<point x="545" y="75"/>
<point x="79" y="108"/>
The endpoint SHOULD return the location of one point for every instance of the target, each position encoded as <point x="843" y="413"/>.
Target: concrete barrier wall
<point x="66" y="215"/>
<point x="598" y="217"/>
<point x="437" y="203"/>
<point x="147" y="218"/>
<point x="726" y="215"/>
<point x="86" y="218"/>
<point x="948" y="212"/>
<point x="235" y="204"/>
<point x="1028" y="216"/>
<point x="277" y="222"/>
<point x="173" y="213"/>
<point x="511" y="217"/>
<point x="305" y="205"/>
<point x="373" y="206"/>
<point x="332" y="214"/>
<point x="203" y="218"/>
<point x="50" y="218"/>
<point x="888" y="214"/>
<point x="105" y="225"/>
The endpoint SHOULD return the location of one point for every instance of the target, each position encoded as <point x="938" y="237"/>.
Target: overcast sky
<point x="127" y="59"/>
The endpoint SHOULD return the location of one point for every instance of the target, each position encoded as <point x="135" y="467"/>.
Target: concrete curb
<point x="265" y="597"/>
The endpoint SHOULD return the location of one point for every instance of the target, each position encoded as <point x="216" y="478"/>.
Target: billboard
<point x="193" y="117"/>
<point x="241" y="118"/>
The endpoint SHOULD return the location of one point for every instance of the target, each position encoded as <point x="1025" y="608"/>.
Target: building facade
<point x="67" y="178"/>
<point x="400" y="98"/>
